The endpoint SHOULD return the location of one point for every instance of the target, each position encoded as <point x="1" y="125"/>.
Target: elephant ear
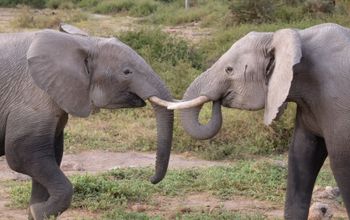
<point x="57" y="64"/>
<point x="286" y="46"/>
<point x="70" y="29"/>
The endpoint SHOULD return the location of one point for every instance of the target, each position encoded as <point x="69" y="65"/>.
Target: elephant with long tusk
<point x="45" y="76"/>
<point x="310" y="67"/>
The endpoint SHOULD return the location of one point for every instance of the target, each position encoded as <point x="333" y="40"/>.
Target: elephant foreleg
<point x="306" y="156"/>
<point x="39" y="192"/>
<point x="32" y="150"/>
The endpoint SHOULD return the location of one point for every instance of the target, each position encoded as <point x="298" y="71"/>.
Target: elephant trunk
<point x="165" y="120"/>
<point x="153" y="86"/>
<point x="190" y="117"/>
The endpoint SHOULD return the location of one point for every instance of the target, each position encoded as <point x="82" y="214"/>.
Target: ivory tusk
<point x="161" y="102"/>
<point x="189" y="104"/>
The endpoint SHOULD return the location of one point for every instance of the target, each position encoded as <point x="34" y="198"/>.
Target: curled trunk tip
<point x="191" y="124"/>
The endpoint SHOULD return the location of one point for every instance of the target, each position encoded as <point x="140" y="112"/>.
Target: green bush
<point x="166" y="1"/>
<point x="111" y="6"/>
<point x="29" y="18"/>
<point x="10" y="3"/>
<point x="289" y="13"/>
<point x="158" y="46"/>
<point x="32" y="3"/>
<point x="88" y="3"/>
<point x="319" y="6"/>
<point x="252" y="11"/>
<point x="173" y="59"/>
<point x="144" y="8"/>
<point x="205" y="11"/>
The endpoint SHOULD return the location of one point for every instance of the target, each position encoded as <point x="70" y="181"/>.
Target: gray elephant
<point x="310" y="67"/>
<point x="46" y="75"/>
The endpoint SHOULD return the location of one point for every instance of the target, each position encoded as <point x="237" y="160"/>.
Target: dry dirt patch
<point x="100" y="161"/>
<point x="206" y="203"/>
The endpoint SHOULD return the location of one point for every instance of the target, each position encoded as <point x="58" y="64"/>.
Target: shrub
<point x="289" y="13"/>
<point x="55" y="4"/>
<point x="252" y="11"/>
<point x="319" y="6"/>
<point x="32" y="3"/>
<point x="176" y="62"/>
<point x="87" y="3"/>
<point x="111" y="7"/>
<point x="144" y="8"/>
<point x="35" y="3"/>
<point x="166" y="1"/>
<point x="46" y="18"/>
<point x="159" y="46"/>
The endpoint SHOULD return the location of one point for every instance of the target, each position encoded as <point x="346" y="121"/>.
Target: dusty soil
<point x="99" y="161"/>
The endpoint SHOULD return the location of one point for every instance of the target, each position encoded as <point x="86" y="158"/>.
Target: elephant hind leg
<point x="340" y="165"/>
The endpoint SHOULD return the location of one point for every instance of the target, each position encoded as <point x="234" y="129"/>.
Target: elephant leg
<point x="306" y="157"/>
<point x="339" y="156"/>
<point x="39" y="192"/>
<point x="58" y="186"/>
<point x="31" y="150"/>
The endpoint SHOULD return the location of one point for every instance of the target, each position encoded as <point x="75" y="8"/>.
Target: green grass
<point x="112" y="193"/>
<point x="219" y="215"/>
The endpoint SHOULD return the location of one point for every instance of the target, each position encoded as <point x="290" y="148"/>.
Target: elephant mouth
<point x="136" y="101"/>
<point x="227" y="99"/>
<point x="127" y="100"/>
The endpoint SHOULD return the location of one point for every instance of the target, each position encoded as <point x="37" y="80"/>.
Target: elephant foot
<point x="36" y="212"/>
<point x="30" y="216"/>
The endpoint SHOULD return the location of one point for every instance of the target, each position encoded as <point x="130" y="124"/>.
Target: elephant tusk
<point x="161" y="102"/>
<point x="189" y="104"/>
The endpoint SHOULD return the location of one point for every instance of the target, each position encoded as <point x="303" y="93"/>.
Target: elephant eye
<point x="228" y="70"/>
<point x="86" y="62"/>
<point x="270" y="66"/>
<point x="127" y="72"/>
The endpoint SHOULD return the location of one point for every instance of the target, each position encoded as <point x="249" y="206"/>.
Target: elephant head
<point x="81" y="73"/>
<point x="255" y="73"/>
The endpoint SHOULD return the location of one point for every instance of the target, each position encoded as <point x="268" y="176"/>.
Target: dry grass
<point x="38" y="19"/>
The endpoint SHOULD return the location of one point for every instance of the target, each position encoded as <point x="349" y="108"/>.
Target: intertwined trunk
<point x="190" y="117"/>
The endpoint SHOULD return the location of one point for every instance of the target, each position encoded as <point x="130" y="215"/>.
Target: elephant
<point x="47" y="75"/>
<point x="266" y="70"/>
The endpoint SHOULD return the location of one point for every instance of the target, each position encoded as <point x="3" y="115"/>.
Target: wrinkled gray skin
<point x="46" y="75"/>
<point x="310" y="67"/>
